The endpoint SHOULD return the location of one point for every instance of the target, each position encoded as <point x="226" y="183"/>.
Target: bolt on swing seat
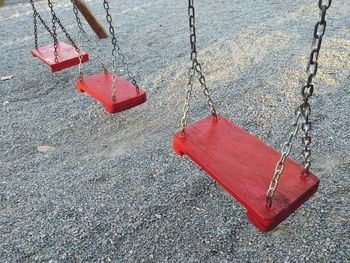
<point x="243" y="165"/>
<point x="67" y="56"/>
<point x="99" y="86"/>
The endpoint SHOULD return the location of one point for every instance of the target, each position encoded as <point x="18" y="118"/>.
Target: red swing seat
<point x="99" y="86"/>
<point x="244" y="165"/>
<point x="67" y="56"/>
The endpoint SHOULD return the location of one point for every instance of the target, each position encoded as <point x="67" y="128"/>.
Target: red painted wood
<point x="99" y="86"/>
<point x="244" y="165"/>
<point x="67" y="56"/>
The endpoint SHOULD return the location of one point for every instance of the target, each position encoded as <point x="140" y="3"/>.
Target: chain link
<point x="114" y="49"/>
<point x="184" y="119"/>
<point x="35" y="29"/>
<point x="52" y="32"/>
<point x="304" y="110"/>
<point x="55" y="44"/>
<point x="117" y="50"/>
<point x="82" y="33"/>
<point x="195" y="68"/>
<point x="38" y="16"/>
<point x="56" y="19"/>
<point x="308" y="89"/>
<point x="126" y="67"/>
<point x="286" y="149"/>
<point x="35" y="22"/>
<point x="80" y="37"/>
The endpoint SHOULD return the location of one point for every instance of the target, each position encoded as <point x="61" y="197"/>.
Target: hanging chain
<point x="88" y="40"/>
<point x="56" y="19"/>
<point x="117" y="50"/>
<point x="198" y="66"/>
<point x="114" y="50"/>
<point x="80" y="37"/>
<point x="286" y="149"/>
<point x="35" y="29"/>
<point x="184" y="119"/>
<point x="126" y="67"/>
<point x="52" y="32"/>
<point x="55" y="44"/>
<point x="195" y="68"/>
<point x="304" y="110"/>
<point x="37" y="15"/>
<point x="308" y="89"/>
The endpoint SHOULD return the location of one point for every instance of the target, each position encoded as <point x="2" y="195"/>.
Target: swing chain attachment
<point x="196" y="67"/>
<point x="304" y="110"/>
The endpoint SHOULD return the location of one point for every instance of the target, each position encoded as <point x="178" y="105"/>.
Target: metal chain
<point x="56" y="19"/>
<point x="114" y="50"/>
<point x="80" y="37"/>
<point x="117" y="50"/>
<point x="35" y="22"/>
<point x="304" y="110"/>
<point x="205" y="89"/>
<point x="184" y="119"/>
<point x="55" y="44"/>
<point x="88" y="40"/>
<point x="37" y="15"/>
<point x="286" y="149"/>
<point x="35" y="29"/>
<point x="308" y="89"/>
<point x="195" y="68"/>
<point x="126" y="67"/>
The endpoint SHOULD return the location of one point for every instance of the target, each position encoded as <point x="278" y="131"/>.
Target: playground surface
<point x="111" y="189"/>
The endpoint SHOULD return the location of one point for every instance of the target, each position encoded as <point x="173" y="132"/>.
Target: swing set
<point x="241" y="163"/>
<point x="112" y="91"/>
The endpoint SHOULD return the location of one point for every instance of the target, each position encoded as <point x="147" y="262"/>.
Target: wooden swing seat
<point x="244" y="165"/>
<point x="99" y="86"/>
<point x="67" y="56"/>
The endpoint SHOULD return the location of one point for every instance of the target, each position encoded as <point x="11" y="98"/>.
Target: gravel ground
<point x="112" y="189"/>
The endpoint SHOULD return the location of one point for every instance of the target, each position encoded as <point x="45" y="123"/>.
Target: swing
<point x="243" y="164"/>
<point x="59" y="55"/>
<point x="112" y="91"/>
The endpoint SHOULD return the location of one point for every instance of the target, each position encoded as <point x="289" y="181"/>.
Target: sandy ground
<point x="112" y="189"/>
